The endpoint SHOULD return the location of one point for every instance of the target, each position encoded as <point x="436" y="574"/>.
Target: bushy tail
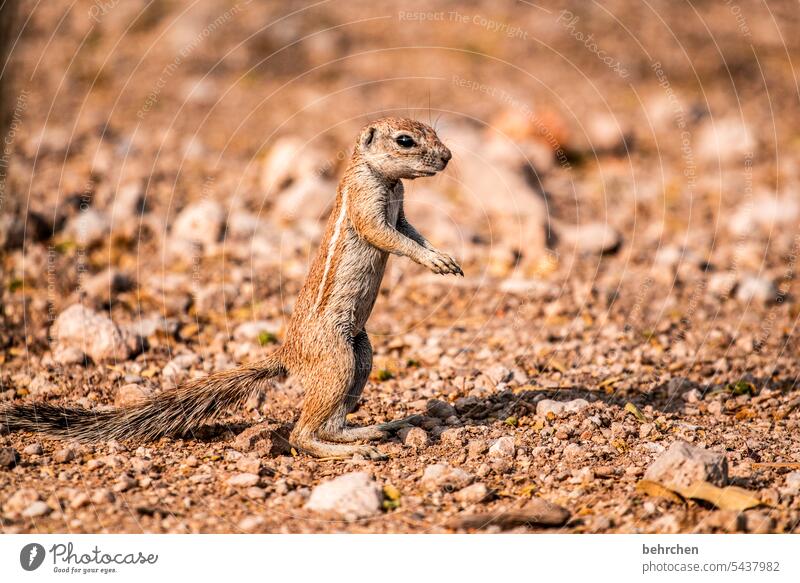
<point x="172" y="412"/>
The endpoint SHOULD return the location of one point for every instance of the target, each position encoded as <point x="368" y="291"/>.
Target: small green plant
<point x="385" y="375"/>
<point x="265" y="338"/>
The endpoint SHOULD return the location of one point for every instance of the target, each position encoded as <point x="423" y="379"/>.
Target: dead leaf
<point x="728" y="498"/>
<point x="608" y="382"/>
<point x="634" y="410"/>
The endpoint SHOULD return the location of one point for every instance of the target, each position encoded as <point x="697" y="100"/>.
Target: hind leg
<point x="329" y="382"/>
<point x="337" y="430"/>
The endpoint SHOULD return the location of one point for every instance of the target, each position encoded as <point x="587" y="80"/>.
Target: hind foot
<point x="319" y="448"/>
<point x="369" y="432"/>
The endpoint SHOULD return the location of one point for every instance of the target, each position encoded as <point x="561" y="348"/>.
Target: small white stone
<point x="351" y="496"/>
<point x="131" y="394"/>
<point x="792" y="483"/>
<point x="202" y="222"/>
<point x="125" y="483"/>
<point x="758" y="289"/>
<point x="83" y="329"/>
<point x="473" y="494"/>
<point x="415" y="437"/>
<point x="546" y="406"/>
<point x="89" y="227"/>
<point x="36" y="509"/>
<point x="594" y="238"/>
<point x="243" y="480"/>
<point x="503" y="448"/>
<point x="251" y="523"/>
<point x="80" y="500"/>
<point x="725" y="140"/>
<point x="444" y="477"/>
<point x="33" y="449"/>
<point x="683" y="465"/>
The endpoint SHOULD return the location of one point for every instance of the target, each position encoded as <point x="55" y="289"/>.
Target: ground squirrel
<point x="326" y="344"/>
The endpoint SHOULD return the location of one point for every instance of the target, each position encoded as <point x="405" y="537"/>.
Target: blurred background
<point x="660" y="136"/>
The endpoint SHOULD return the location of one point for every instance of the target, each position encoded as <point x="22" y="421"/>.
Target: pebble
<point x="131" y="394"/>
<point x="352" y="496"/>
<point x="102" y="496"/>
<point x="37" y="509"/>
<point x="180" y="364"/>
<point x="440" y="409"/>
<point x="308" y="198"/>
<point x="20" y="500"/>
<point x="452" y="437"/>
<point x="758" y="289"/>
<point x="107" y="284"/>
<point x="243" y="480"/>
<point x="414" y="437"/>
<point x="792" y="483"/>
<point x="606" y="133"/>
<point x="722" y="284"/>
<point x="256" y="493"/>
<point x="591" y="238"/>
<point x="473" y="494"/>
<point x="79" y="500"/>
<point x="33" y="449"/>
<point x="68" y="355"/>
<point x="758" y="522"/>
<point x="63" y="456"/>
<point x="249" y="465"/>
<point x="692" y="396"/>
<point x="289" y="159"/>
<point x="498" y="373"/>
<point x="503" y="448"/>
<point x="251" y="523"/>
<point x="130" y="202"/>
<point x="9" y="458"/>
<point x="88" y="331"/>
<point x="559" y="408"/>
<point x="476" y="448"/>
<point x="768" y="212"/>
<point x="201" y="222"/>
<point x="683" y="464"/>
<point x="256" y="437"/>
<point x="89" y="227"/>
<point x="724" y="140"/>
<point x="125" y="483"/>
<point x="573" y="451"/>
<point x="444" y="477"/>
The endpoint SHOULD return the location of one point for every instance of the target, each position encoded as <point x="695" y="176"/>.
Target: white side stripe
<point x="332" y="245"/>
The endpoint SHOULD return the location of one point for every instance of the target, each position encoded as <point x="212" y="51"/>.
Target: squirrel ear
<point x="367" y="137"/>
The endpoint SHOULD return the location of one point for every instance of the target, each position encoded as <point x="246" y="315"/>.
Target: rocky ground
<point x="626" y="328"/>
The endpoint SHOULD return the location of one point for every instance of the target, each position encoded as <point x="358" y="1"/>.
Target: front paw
<point x="443" y="263"/>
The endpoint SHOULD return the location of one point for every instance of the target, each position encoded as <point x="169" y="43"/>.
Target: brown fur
<point x="326" y="345"/>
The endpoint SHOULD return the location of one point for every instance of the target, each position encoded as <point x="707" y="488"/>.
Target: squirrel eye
<point x="405" y="141"/>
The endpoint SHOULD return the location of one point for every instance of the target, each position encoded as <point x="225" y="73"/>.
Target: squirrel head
<point x="402" y="148"/>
